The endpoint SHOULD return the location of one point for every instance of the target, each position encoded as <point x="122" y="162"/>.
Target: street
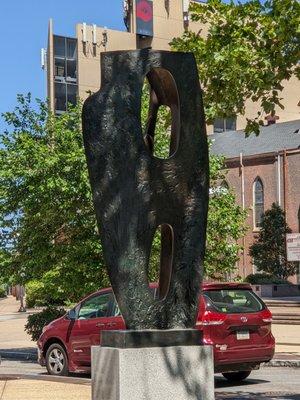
<point x="265" y="384"/>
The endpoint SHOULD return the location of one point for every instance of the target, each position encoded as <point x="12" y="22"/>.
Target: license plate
<point x="242" y="335"/>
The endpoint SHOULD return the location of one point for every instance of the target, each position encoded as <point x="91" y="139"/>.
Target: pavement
<point x="22" y="380"/>
<point x="264" y="384"/>
<point x="13" y="338"/>
<point x="13" y="388"/>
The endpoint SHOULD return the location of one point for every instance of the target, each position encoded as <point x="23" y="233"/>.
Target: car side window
<point x="115" y="308"/>
<point x="95" y="307"/>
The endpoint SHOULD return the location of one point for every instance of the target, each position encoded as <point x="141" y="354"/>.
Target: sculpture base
<point x="151" y="338"/>
<point x="151" y="373"/>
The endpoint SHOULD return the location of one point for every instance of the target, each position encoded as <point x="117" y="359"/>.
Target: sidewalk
<point x="12" y="388"/>
<point x="9" y="305"/>
<point x="12" y="334"/>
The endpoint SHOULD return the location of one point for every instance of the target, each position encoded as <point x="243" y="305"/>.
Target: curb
<point x="282" y="363"/>
<point x="18" y="355"/>
<point x="22" y="356"/>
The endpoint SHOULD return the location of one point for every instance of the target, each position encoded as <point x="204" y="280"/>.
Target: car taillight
<point x="267" y="316"/>
<point x="207" y="323"/>
<point x="268" y="320"/>
<point x="211" y="319"/>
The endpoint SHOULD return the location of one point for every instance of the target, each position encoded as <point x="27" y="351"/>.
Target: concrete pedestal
<point x="156" y="373"/>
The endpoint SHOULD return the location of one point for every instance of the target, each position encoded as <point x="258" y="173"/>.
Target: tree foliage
<point x="46" y="216"/>
<point x="225" y="225"/>
<point x="249" y="50"/>
<point x="269" y="249"/>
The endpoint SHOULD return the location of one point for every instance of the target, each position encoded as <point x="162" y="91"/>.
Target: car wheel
<point x="236" y="376"/>
<point x="57" y="360"/>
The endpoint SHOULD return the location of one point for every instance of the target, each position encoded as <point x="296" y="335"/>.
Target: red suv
<point x="233" y="319"/>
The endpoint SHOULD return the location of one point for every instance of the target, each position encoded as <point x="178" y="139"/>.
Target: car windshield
<point x="233" y="301"/>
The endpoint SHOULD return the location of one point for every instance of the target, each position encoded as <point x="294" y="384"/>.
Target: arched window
<point x="298" y="267"/>
<point x="224" y="187"/>
<point x="258" y="200"/>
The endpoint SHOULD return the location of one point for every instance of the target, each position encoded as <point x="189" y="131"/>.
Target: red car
<point x="234" y="320"/>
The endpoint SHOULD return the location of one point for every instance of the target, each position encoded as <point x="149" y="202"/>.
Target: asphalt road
<point x="266" y="384"/>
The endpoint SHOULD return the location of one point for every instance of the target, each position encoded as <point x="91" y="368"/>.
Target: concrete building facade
<point x="75" y="71"/>
<point x="168" y="22"/>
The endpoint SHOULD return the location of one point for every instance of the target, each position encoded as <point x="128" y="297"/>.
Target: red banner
<point x="144" y="17"/>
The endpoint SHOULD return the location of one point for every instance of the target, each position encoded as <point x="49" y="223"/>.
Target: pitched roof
<point x="272" y="138"/>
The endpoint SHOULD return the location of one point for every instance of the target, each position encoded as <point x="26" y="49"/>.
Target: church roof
<point x="272" y="138"/>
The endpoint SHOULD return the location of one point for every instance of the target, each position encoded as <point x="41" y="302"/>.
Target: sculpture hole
<point x="162" y="134"/>
<point x="161" y="259"/>
<point x="160" y="113"/>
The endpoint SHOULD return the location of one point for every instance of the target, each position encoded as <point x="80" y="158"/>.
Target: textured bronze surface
<point x="135" y="192"/>
<point x="152" y="338"/>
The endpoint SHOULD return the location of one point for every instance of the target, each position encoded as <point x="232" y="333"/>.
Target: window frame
<point x="224" y="121"/>
<point x="256" y="223"/>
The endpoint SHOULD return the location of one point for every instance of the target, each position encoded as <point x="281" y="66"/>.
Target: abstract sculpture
<point x="135" y="193"/>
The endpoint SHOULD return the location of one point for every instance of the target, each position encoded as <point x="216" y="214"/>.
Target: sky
<point x="23" y="32"/>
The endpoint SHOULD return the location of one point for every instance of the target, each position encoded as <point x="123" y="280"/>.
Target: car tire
<point x="236" y="377"/>
<point x="57" y="360"/>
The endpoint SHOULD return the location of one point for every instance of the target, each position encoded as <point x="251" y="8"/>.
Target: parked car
<point x="233" y="319"/>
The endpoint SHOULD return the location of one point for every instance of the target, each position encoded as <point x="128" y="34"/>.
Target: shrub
<point x="39" y="293"/>
<point x="35" y="293"/>
<point x="264" y="279"/>
<point x="36" y="322"/>
<point x="2" y="292"/>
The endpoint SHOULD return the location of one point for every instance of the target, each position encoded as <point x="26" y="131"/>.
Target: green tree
<point x="249" y="50"/>
<point x="225" y="225"/>
<point x="47" y="219"/>
<point x="269" y="249"/>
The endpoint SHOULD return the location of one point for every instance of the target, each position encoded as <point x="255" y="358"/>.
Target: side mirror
<point x="71" y="315"/>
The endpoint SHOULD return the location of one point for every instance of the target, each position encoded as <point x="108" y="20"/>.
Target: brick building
<point x="263" y="170"/>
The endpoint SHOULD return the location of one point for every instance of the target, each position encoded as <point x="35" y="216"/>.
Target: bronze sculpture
<point x="135" y="192"/>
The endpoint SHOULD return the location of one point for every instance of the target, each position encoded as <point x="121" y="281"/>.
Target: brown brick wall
<point x="266" y="168"/>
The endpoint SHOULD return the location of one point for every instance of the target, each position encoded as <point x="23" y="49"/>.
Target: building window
<point x="59" y="68"/>
<point x="298" y="272"/>
<point x="224" y="124"/>
<point x="225" y="185"/>
<point x="65" y="72"/>
<point x="60" y="98"/>
<point x="258" y="200"/>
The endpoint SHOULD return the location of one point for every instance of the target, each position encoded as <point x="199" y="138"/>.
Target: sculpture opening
<point x="162" y="126"/>
<point x="164" y="241"/>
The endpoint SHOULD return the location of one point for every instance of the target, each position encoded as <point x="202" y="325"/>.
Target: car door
<point x="94" y="314"/>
